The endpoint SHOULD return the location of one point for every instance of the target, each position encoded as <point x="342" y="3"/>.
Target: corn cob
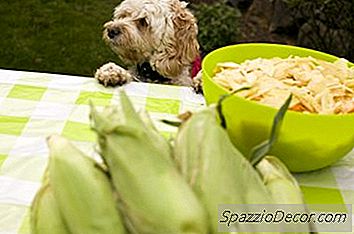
<point x="217" y="171"/>
<point x="278" y="180"/>
<point x="282" y="186"/>
<point x="45" y="214"/>
<point x="153" y="196"/>
<point x="82" y="190"/>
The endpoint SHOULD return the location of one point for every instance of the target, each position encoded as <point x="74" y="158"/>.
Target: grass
<point x="58" y="36"/>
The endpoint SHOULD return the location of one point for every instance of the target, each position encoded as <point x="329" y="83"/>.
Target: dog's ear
<point x="180" y="45"/>
<point x="186" y="31"/>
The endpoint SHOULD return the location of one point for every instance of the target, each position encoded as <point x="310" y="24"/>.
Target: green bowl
<point x="306" y="141"/>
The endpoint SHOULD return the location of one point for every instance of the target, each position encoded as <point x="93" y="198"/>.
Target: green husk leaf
<point x="221" y="100"/>
<point x="261" y="150"/>
<point x="82" y="190"/>
<point x="45" y="213"/>
<point x="282" y="186"/>
<point x="216" y="170"/>
<point x="153" y="197"/>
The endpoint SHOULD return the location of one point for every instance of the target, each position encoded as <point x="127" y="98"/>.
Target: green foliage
<point x="333" y="13"/>
<point x="218" y="24"/>
<point x="329" y="23"/>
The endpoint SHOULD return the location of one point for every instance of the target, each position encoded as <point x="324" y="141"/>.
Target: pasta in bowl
<point x="319" y="127"/>
<point x="318" y="86"/>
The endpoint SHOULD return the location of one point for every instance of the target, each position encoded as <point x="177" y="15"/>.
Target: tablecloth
<point x="36" y="105"/>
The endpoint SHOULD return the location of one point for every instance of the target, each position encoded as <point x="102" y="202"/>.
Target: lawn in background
<point x="58" y="36"/>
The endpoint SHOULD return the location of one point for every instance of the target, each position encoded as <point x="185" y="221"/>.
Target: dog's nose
<point x="112" y="32"/>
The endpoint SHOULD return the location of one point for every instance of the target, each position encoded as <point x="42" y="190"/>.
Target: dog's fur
<point x="160" y="33"/>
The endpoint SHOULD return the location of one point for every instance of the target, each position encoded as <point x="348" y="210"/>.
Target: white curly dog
<point x="155" y="39"/>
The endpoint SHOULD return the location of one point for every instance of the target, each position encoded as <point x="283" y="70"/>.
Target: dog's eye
<point x="123" y="15"/>
<point x="142" y="22"/>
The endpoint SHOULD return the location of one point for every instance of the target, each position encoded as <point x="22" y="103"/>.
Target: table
<point x="36" y="105"/>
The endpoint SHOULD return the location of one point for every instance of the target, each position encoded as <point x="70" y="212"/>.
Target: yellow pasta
<point x="317" y="86"/>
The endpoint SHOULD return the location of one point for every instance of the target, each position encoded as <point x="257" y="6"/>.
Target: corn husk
<point x="45" y="213"/>
<point x="281" y="184"/>
<point x="83" y="191"/>
<point x="283" y="187"/>
<point x="153" y="196"/>
<point x="217" y="171"/>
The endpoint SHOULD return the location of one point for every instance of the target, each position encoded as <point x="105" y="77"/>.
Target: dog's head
<point x="161" y="32"/>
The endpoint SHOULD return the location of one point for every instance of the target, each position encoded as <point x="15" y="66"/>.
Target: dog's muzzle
<point x="113" y="32"/>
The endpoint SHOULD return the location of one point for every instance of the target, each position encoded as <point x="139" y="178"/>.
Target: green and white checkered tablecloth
<point x="36" y="105"/>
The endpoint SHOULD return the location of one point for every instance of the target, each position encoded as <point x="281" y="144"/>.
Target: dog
<point x="156" y="40"/>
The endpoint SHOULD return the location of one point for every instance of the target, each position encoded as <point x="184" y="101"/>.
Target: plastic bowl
<point x="306" y="141"/>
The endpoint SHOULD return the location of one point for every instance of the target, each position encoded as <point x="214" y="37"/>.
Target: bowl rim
<point x="317" y="115"/>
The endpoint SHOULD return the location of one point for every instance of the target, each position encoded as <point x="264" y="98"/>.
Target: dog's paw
<point x="197" y="83"/>
<point x="111" y="74"/>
